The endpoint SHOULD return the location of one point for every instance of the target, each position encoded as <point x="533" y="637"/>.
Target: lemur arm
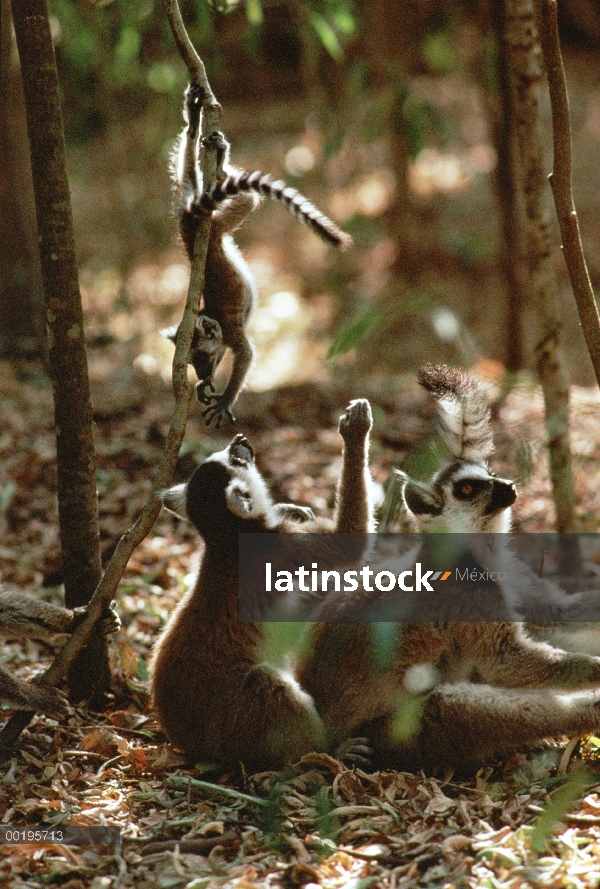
<point x="24" y="617"/>
<point x="354" y="513"/>
<point x="223" y="404"/>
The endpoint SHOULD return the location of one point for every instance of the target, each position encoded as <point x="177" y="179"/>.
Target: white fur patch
<point x="471" y="470"/>
<point x="175" y="500"/>
<point x="239" y="500"/>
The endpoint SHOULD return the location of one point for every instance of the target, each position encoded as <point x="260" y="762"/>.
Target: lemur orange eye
<point x="466" y="489"/>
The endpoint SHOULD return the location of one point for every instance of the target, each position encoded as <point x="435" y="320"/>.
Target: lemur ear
<point x="175" y="500"/>
<point x="170" y="333"/>
<point x="422" y="499"/>
<point x="239" y="499"/>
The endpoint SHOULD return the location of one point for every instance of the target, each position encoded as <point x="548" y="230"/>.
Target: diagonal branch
<point x="560" y="181"/>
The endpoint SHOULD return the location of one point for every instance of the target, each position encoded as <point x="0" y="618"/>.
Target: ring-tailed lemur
<point x="490" y="686"/>
<point x="22" y="616"/>
<point x="464" y="496"/>
<point x="214" y="699"/>
<point x="229" y="286"/>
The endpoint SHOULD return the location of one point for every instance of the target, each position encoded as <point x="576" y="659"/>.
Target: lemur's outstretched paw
<point x="202" y="395"/>
<point x="194" y="97"/>
<point x="357" y="420"/>
<point x="295" y="513"/>
<point x="217" y="412"/>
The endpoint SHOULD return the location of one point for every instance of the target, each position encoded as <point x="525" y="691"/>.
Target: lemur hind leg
<point x="464" y="724"/>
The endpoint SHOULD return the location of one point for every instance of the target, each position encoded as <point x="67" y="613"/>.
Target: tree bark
<point x="77" y="502"/>
<point x="524" y="52"/>
<point x="22" y="329"/>
<point x="508" y="194"/>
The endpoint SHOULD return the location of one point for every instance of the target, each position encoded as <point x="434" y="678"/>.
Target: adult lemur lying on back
<point x="492" y="686"/>
<point x="22" y="616"/>
<point x="229" y="287"/>
<point x="214" y="699"/>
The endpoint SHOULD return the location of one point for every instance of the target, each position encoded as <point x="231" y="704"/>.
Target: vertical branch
<point x="524" y="54"/>
<point x="562" y="189"/>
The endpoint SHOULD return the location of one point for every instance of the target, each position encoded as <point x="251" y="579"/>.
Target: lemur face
<point x="463" y="498"/>
<point x="207" y="347"/>
<point x="224" y="493"/>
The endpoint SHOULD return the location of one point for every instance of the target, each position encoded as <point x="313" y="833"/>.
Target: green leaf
<point x="407" y="718"/>
<point x="327" y="36"/>
<point x="559" y="805"/>
<point x="254" y="12"/>
<point x="355" y="331"/>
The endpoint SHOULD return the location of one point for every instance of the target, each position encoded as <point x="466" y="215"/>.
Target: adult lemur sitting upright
<point x="23" y="616"/>
<point x="214" y="699"/>
<point x="492" y="686"/>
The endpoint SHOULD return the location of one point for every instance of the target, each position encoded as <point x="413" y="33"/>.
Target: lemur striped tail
<point x="463" y="410"/>
<point x="277" y="190"/>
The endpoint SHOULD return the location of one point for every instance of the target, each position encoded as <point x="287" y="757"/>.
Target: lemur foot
<point x="356" y="421"/>
<point x="194" y="97"/>
<point x="354" y="752"/>
<point x="217" y="412"/>
<point x="44" y="698"/>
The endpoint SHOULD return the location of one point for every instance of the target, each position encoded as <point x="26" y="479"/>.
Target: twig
<point x="196" y="784"/>
<point x="183" y="391"/>
<point x="199" y="846"/>
<point x="561" y="183"/>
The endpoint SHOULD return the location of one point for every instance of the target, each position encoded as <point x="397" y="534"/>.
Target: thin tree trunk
<point x="524" y="52"/>
<point x="509" y="197"/>
<point x="22" y="326"/>
<point x="77" y="502"/>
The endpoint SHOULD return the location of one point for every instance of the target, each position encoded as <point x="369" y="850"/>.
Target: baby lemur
<point x="22" y="616"/>
<point x="229" y="286"/>
<point x="214" y="699"/>
<point x="493" y="687"/>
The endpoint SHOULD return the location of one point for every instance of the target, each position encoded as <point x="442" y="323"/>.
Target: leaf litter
<point x="322" y="823"/>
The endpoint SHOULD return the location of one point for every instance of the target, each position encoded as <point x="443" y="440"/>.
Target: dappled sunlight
<point x="299" y="160"/>
<point x="370" y="196"/>
<point x="434" y="170"/>
<point x="278" y="328"/>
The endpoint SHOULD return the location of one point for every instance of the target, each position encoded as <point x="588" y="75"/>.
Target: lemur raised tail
<point x="214" y="699"/>
<point x="229" y="286"/>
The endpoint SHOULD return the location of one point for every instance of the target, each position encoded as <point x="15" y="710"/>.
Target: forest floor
<point x="321" y="823"/>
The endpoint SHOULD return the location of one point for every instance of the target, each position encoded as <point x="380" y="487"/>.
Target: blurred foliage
<point x="118" y="58"/>
<point x="561" y="802"/>
<point x="282" y="640"/>
<point x="355" y="331"/>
